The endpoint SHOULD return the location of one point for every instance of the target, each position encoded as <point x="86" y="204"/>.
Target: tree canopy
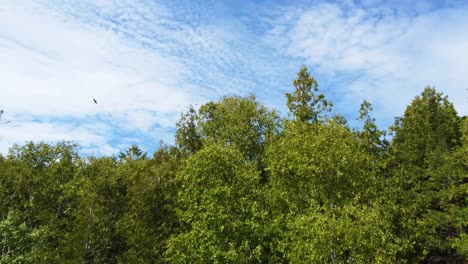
<point x="244" y="185"/>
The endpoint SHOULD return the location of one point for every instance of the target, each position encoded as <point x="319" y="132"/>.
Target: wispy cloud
<point x="386" y="54"/>
<point x="92" y="136"/>
<point x="53" y="66"/>
<point x="145" y="61"/>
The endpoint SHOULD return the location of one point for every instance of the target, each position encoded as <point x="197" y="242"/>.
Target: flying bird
<point x="1" y="113"/>
<point x="95" y="101"/>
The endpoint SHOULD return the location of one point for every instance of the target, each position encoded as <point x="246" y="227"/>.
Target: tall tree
<point x="305" y="104"/>
<point x="188" y="137"/>
<point x="430" y="124"/>
<point x="150" y="218"/>
<point x="371" y="136"/>
<point x="428" y="176"/>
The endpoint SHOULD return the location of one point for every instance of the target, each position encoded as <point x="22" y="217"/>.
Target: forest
<point x="243" y="184"/>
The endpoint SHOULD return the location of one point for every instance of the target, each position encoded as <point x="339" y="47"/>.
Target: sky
<point x="146" y="61"/>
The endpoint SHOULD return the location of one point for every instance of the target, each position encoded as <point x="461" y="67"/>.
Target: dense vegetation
<point x="243" y="185"/>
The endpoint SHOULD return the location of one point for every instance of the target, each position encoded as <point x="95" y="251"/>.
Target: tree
<point x="233" y="120"/>
<point x="325" y="196"/>
<point x="457" y="195"/>
<point x="132" y="153"/>
<point x="33" y="189"/>
<point x="218" y="209"/>
<point x="353" y="233"/>
<point x="188" y="137"/>
<point x="150" y="218"/>
<point x="318" y="162"/>
<point x="428" y="176"/>
<point x="430" y="124"/>
<point x="100" y="193"/>
<point x="16" y="239"/>
<point x="371" y="136"/>
<point x="304" y="103"/>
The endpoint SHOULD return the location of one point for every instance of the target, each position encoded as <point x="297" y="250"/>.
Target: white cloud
<point x="145" y="61"/>
<point x="383" y="54"/>
<point x="21" y="132"/>
<point x="53" y="66"/>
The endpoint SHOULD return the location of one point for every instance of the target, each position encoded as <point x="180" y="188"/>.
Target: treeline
<point x="242" y="185"/>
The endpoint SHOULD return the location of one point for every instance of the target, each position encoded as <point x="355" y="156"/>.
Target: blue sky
<point x="146" y="61"/>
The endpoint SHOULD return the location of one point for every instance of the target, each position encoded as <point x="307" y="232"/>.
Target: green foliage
<point x="304" y="103"/>
<point x="219" y="209"/>
<point x="429" y="126"/>
<point x="16" y="239"/>
<point x="348" y="234"/>
<point x="150" y="218"/>
<point x="132" y="153"/>
<point x="187" y="136"/>
<point x="233" y="121"/>
<point x="100" y="195"/>
<point x="429" y="169"/>
<point x="326" y="198"/>
<point x="320" y="163"/>
<point x="34" y="182"/>
<point x="371" y="136"/>
<point x="244" y="186"/>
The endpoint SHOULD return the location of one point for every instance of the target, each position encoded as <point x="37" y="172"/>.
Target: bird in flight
<point x="95" y="101"/>
<point x="1" y="113"/>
